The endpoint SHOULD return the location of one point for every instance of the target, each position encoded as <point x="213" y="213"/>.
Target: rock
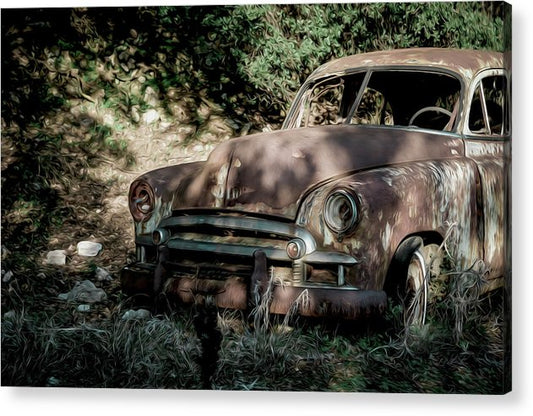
<point x="56" y="257"/>
<point x="151" y="97"/>
<point x="53" y="382"/>
<point x="10" y="315"/>
<point x="5" y="253"/>
<point x="135" y="115"/>
<point x="84" y="308"/>
<point x="88" y="248"/>
<point x="151" y="116"/>
<point x="84" y="292"/>
<point x="139" y="314"/>
<point x="102" y="274"/>
<point x="7" y="276"/>
<point x="108" y="119"/>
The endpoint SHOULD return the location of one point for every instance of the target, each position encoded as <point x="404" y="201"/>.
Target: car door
<point x="487" y="133"/>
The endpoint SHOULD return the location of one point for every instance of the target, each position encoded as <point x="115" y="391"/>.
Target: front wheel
<point x="417" y="265"/>
<point x="423" y="266"/>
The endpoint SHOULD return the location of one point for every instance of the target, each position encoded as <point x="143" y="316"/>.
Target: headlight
<point x="141" y="200"/>
<point x="340" y="212"/>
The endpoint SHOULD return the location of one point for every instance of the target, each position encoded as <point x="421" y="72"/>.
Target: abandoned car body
<point x="382" y="156"/>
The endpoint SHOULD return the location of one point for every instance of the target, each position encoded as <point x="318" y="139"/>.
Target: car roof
<point x="465" y="62"/>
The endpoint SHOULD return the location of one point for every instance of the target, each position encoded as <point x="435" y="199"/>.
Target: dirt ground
<point x="99" y="202"/>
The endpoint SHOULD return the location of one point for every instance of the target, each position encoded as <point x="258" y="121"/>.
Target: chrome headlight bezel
<point x="160" y="236"/>
<point x="141" y="200"/>
<point x="341" y="212"/>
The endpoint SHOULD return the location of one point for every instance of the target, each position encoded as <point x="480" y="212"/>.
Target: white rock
<point x="135" y="114"/>
<point x="7" y="276"/>
<point x="88" y="248"/>
<point x="151" y="116"/>
<point x="151" y="97"/>
<point x="84" y="292"/>
<point x="84" y="308"/>
<point x="136" y="314"/>
<point x="56" y="257"/>
<point x="102" y="274"/>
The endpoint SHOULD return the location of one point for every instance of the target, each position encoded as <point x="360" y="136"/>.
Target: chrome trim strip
<point x="318" y="257"/>
<point x="247" y="224"/>
<point x="239" y="223"/>
<point x="329" y="257"/>
<point x="231" y="249"/>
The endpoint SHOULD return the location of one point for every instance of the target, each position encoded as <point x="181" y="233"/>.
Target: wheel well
<point x="400" y="260"/>
<point x="431" y="237"/>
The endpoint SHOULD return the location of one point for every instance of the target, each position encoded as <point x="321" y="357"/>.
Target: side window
<point x="324" y="105"/>
<point x="373" y="109"/>
<point x="489" y="112"/>
<point x="330" y="100"/>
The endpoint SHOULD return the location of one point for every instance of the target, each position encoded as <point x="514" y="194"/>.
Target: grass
<point x="66" y="348"/>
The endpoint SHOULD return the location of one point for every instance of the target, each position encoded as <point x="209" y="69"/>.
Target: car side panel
<point x="489" y="156"/>
<point x="440" y="197"/>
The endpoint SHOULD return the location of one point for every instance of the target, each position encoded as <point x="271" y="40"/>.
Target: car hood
<point x="269" y="173"/>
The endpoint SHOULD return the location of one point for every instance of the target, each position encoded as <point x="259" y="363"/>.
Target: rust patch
<point x="465" y="62"/>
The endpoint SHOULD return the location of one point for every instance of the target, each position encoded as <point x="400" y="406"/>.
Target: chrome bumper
<point x="244" y="293"/>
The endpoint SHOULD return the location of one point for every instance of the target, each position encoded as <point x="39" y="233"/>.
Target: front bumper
<point x="240" y="261"/>
<point x="237" y="292"/>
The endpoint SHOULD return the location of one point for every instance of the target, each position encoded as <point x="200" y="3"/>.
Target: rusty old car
<point x="382" y="158"/>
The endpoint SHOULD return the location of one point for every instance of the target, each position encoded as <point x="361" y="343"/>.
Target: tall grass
<point x="459" y="349"/>
<point x="158" y="353"/>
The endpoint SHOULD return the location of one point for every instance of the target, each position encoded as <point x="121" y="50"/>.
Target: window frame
<point x="476" y="83"/>
<point x="296" y="111"/>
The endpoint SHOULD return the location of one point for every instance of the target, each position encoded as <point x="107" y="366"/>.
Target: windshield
<point x="387" y="98"/>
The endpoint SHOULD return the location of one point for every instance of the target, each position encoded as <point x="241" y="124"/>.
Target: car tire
<point x="416" y="265"/>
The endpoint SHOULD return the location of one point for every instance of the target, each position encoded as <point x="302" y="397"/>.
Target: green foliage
<point x="254" y="56"/>
<point x="275" y="47"/>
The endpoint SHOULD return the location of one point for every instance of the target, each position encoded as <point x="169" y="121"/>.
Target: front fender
<point x="165" y="184"/>
<point x="396" y="202"/>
